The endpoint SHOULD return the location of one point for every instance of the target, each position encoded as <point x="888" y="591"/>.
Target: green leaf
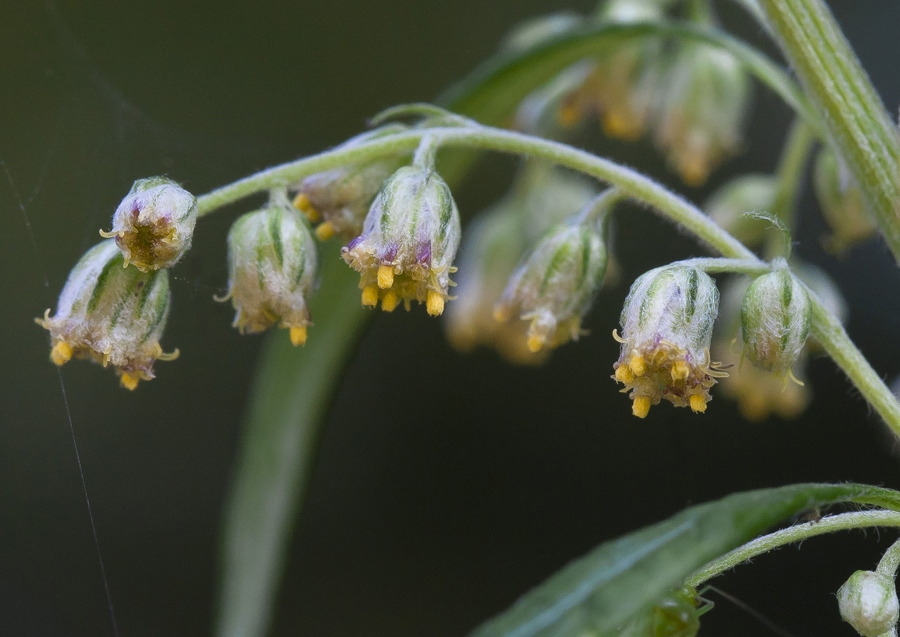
<point x="293" y="388"/>
<point x="598" y="593"/>
<point x="856" y="120"/>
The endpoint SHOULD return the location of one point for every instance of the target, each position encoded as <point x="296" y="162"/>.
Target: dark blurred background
<point x="447" y="484"/>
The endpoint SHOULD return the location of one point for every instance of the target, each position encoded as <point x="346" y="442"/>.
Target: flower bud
<point x="408" y="242"/>
<point x="841" y="201"/>
<point x="271" y="268"/>
<point x="555" y="285"/>
<point x="340" y="198"/>
<point x="112" y="314"/>
<point x="775" y="318"/>
<point x="535" y="31"/>
<point x="868" y="602"/>
<point x="748" y="193"/>
<point x="705" y="97"/>
<point x="154" y="224"/>
<point x="667" y="325"/>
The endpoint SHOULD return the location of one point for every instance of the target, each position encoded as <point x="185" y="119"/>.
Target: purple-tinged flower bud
<point x="271" y="268"/>
<point x="340" y="198"/>
<point x="408" y="242"/>
<point x="667" y="325"/>
<point x="112" y="314"/>
<point x="868" y="602"/>
<point x="154" y="224"/>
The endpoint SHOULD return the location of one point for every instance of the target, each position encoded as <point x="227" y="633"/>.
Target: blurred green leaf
<point x="598" y="593"/>
<point x="293" y="388"/>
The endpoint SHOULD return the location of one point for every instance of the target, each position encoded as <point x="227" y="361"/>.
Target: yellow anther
<point x="641" y="406"/>
<point x="680" y="370"/>
<point x="304" y="205"/>
<point x="569" y="114"/>
<point x="324" y="231"/>
<point x="536" y="343"/>
<point x="435" y="303"/>
<point x="698" y="403"/>
<point x="390" y="301"/>
<point x="130" y="380"/>
<point x="370" y="296"/>
<point x="637" y="365"/>
<point x="61" y="353"/>
<point x="694" y="170"/>
<point x="385" y="276"/>
<point x="624" y="374"/>
<point x="501" y="314"/>
<point x="620" y="126"/>
<point x="298" y="335"/>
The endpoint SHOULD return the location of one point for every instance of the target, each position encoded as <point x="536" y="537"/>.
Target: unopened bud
<point x="555" y="285"/>
<point x="705" y="99"/>
<point x="538" y="30"/>
<point x="868" y="602"/>
<point x="340" y="198"/>
<point x="667" y="325"/>
<point x="748" y="193"/>
<point x="111" y="314"/>
<point x="154" y="224"/>
<point x="408" y="242"/>
<point x="841" y="201"/>
<point x="775" y="319"/>
<point x="271" y="268"/>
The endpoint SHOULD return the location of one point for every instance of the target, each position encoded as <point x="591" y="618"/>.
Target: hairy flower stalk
<point x="154" y="224"/>
<point x="556" y="283"/>
<point x="666" y="330"/>
<point x="408" y="243"/>
<point x="271" y="269"/>
<point x="339" y="199"/>
<point x="111" y="314"/>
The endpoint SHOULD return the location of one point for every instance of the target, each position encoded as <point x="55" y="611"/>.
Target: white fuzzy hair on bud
<point x="868" y="602"/>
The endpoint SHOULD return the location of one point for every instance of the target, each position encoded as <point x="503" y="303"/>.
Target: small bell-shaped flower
<point x="111" y="314"/>
<point x="704" y="100"/>
<point x="868" y="602"/>
<point x="555" y="284"/>
<point x="408" y="243"/>
<point x="730" y="203"/>
<point x="841" y="200"/>
<point x="775" y="320"/>
<point x="667" y="325"/>
<point x="340" y="198"/>
<point x="271" y="269"/>
<point x="154" y="224"/>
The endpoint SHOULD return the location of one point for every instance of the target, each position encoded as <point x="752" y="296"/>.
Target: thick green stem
<point x="825" y="326"/>
<point x="847" y="103"/>
<point x="797" y="533"/>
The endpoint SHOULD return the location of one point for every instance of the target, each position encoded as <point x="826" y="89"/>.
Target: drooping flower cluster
<point x="408" y="243"/>
<point x="271" y="268"/>
<point x="111" y="314"/>
<point x="667" y="325"/>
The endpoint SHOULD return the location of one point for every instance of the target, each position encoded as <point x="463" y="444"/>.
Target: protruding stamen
<point x="390" y="301"/>
<point x="61" y="353"/>
<point x="434" y="304"/>
<point x="698" y="403"/>
<point x="130" y="380"/>
<point x="641" y="406"/>
<point x="624" y="374"/>
<point x="370" y="296"/>
<point x="536" y="343"/>
<point x="386" y="277"/>
<point x="680" y="370"/>
<point x="324" y="231"/>
<point x="637" y="365"/>
<point x="298" y="335"/>
<point x="303" y="204"/>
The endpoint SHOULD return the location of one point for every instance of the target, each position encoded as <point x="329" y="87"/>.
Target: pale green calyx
<point x="271" y="269"/>
<point x="841" y="200"/>
<point x="704" y="99"/>
<point x="775" y="319"/>
<point x="408" y="243"/>
<point x="868" y="602"/>
<point x="747" y="193"/>
<point x="667" y="326"/>
<point x="154" y="224"/>
<point x="111" y="314"/>
<point x="555" y="285"/>
<point x="340" y="198"/>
